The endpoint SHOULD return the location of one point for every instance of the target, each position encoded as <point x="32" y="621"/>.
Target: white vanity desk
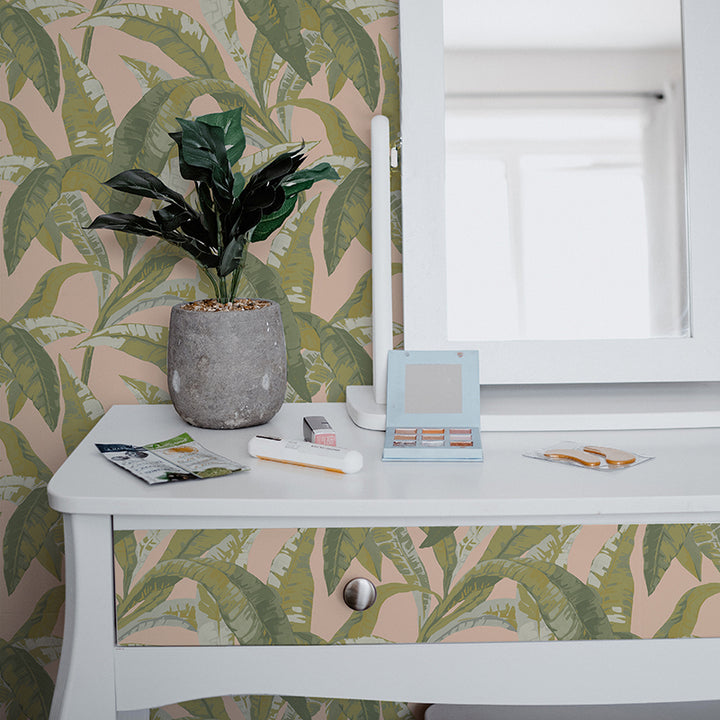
<point x="97" y="678"/>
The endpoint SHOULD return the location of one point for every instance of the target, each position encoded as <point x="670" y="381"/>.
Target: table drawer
<point x="440" y="584"/>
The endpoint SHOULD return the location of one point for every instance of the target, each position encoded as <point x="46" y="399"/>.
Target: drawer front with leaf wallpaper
<point x="439" y="584"/>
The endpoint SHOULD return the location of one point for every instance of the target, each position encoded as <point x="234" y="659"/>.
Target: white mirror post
<point x="366" y="404"/>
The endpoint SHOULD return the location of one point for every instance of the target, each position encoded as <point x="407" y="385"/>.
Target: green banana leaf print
<point x="92" y="87"/>
<point x="507" y="583"/>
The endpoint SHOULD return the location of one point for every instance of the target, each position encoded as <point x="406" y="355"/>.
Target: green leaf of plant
<point x="52" y="550"/>
<point x="140" y="340"/>
<point x="291" y="576"/>
<point x="250" y="608"/>
<point x="15" y="168"/>
<point x="33" y="369"/>
<point x="391" y="78"/>
<point x="23" y="460"/>
<point x="172" y="613"/>
<point x="304" y="179"/>
<point x="707" y="539"/>
<point x="28" y="207"/>
<point x="661" y="545"/>
<point x="360" y="709"/>
<point x="263" y="707"/>
<point x="71" y="217"/>
<point x="570" y="608"/>
<point x="230" y="122"/>
<point x="16" y="398"/>
<point x="142" y="137"/>
<point x="33" y="49"/>
<point x="265" y="65"/>
<point x="690" y="556"/>
<point x="43" y="299"/>
<point x="44" y="617"/>
<point x="291" y="257"/>
<point x="50" y="328"/>
<point x="148" y="275"/>
<point x="124" y="552"/>
<point x="685" y="615"/>
<point x="176" y="33"/>
<point x="82" y="409"/>
<point x="611" y="576"/>
<point x="87" y="175"/>
<point x="340" y="134"/>
<point x="87" y="118"/>
<point x="367" y="11"/>
<point x="513" y="541"/>
<point x="206" y="709"/>
<point x="147" y="74"/>
<point x="355" y="314"/>
<point x="291" y="84"/>
<point x="30" y="685"/>
<point x="21" y="136"/>
<point x="265" y="282"/>
<point x="493" y="613"/>
<point x="353" y="48"/>
<point x="346" y="216"/>
<point x="444" y="546"/>
<point x="397" y="545"/>
<point x="370" y="557"/>
<point x="192" y="543"/>
<point x="25" y="534"/>
<point x="340" y="547"/>
<point x="167" y="292"/>
<point x="299" y="705"/>
<point x="47" y="11"/>
<point x="140" y="182"/>
<point x="434" y="535"/>
<point x="279" y="21"/>
<point x="349" y="362"/>
<point x="15" y="488"/>
<point x="221" y="19"/>
<point x="16" y="78"/>
<point x="145" y="392"/>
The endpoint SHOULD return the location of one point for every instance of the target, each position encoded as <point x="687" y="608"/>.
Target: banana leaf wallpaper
<point x="92" y="87"/>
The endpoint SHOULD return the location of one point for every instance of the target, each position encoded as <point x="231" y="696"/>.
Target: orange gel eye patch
<point x="578" y="456"/>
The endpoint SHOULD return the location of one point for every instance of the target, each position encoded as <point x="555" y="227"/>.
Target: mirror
<point x="564" y="131"/>
<point x="608" y="140"/>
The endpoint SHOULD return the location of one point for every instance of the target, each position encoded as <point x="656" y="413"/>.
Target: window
<point x="564" y="246"/>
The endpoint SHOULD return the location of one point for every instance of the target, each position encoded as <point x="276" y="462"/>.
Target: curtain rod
<point x="651" y="95"/>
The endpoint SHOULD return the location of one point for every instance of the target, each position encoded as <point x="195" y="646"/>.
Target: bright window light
<point x="558" y="247"/>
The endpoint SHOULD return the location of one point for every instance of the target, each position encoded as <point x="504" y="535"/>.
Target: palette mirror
<point x="558" y="166"/>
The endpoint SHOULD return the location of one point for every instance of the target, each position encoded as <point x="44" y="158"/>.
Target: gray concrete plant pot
<point x="227" y="367"/>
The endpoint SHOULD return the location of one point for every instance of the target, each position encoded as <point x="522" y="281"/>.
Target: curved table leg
<point x="86" y="676"/>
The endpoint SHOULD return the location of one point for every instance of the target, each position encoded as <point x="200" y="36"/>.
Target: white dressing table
<point x="98" y="678"/>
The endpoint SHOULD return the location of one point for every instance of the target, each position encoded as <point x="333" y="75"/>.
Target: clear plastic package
<point x="589" y="455"/>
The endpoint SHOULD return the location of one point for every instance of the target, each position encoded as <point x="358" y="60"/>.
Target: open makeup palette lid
<point x="433" y="406"/>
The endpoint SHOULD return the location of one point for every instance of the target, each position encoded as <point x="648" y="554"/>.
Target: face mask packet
<point x="179" y="458"/>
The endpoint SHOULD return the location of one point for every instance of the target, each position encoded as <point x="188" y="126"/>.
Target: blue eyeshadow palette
<point x="433" y="406"/>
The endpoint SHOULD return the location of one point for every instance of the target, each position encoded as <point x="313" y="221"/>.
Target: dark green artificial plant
<point x="231" y="212"/>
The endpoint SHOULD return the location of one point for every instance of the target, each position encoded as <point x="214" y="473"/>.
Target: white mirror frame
<point x="660" y="360"/>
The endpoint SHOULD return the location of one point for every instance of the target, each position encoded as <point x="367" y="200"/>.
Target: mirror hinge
<point x="395" y="153"/>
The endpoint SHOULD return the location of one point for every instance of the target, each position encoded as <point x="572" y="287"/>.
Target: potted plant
<point x="227" y="364"/>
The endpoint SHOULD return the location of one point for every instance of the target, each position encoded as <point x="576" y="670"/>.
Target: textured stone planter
<point x="226" y="369"/>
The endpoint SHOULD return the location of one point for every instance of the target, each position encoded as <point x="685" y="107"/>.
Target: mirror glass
<point x="564" y="170"/>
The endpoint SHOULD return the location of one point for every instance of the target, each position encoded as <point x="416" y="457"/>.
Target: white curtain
<point x="664" y="148"/>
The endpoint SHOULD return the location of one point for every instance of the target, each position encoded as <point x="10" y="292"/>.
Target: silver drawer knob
<point x="359" y="594"/>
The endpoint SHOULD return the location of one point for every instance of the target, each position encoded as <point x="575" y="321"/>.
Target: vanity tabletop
<point x="680" y="484"/>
